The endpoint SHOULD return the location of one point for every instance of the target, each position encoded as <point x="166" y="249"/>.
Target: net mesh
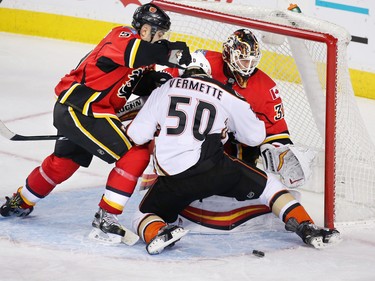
<point x="299" y="68"/>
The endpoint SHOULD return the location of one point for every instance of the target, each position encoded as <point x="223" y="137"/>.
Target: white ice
<point x="52" y="243"/>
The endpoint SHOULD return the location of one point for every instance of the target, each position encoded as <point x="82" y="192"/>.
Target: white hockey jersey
<point x="186" y="110"/>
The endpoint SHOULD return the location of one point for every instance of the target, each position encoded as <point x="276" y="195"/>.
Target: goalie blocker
<point x="291" y="162"/>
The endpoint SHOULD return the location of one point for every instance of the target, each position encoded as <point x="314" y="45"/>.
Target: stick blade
<point x="8" y="134"/>
<point x="5" y="132"/>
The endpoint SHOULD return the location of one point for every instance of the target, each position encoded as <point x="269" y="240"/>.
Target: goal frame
<point x="331" y="85"/>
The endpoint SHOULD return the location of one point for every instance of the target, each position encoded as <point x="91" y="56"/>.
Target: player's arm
<point x="149" y="81"/>
<point x="140" y="53"/>
<point x="244" y="124"/>
<point x="144" y="126"/>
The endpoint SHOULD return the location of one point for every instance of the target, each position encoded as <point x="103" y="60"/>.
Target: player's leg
<point x="170" y="195"/>
<point x="283" y="204"/>
<point x="55" y="169"/>
<point x="161" y="206"/>
<point x="105" y="138"/>
<point x="156" y="233"/>
<point x="121" y="183"/>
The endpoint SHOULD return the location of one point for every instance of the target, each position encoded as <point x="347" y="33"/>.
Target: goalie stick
<point x="8" y="134"/>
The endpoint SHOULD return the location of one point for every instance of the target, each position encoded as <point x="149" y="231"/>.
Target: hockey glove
<point x="150" y="81"/>
<point x="178" y="54"/>
<point x="291" y="163"/>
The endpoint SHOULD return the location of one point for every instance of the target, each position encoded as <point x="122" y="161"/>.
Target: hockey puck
<point x="258" y="253"/>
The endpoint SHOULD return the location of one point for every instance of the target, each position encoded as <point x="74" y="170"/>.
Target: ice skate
<point x="313" y="235"/>
<point x="15" y="206"/>
<point x="166" y="237"/>
<point x="107" y="229"/>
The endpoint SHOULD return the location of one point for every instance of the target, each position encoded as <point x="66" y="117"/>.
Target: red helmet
<point x="241" y="52"/>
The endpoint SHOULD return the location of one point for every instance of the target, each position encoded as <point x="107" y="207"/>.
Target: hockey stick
<point x="8" y="134"/>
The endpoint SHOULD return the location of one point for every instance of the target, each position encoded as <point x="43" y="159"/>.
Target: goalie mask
<point x="152" y="15"/>
<point x="241" y="52"/>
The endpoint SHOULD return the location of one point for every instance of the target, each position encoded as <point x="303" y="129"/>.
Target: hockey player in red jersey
<point x="88" y="99"/>
<point x="191" y="117"/>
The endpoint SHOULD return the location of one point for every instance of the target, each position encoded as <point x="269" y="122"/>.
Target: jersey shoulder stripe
<point x="131" y="52"/>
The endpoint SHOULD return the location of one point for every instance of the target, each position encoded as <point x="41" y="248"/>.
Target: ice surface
<point x="52" y="243"/>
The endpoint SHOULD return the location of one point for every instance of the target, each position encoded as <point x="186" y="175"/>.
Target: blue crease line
<point x="343" y="7"/>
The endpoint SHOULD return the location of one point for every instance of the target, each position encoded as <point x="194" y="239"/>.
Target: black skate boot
<point x="166" y="237"/>
<point x="107" y="229"/>
<point x="313" y="235"/>
<point x="108" y="223"/>
<point x="15" y="206"/>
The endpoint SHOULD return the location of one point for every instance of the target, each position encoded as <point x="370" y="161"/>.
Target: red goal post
<point x="283" y="34"/>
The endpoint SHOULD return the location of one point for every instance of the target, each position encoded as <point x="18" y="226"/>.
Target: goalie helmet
<point x="152" y="15"/>
<point x="199" y="65"/>
<point x="241" y="52"/>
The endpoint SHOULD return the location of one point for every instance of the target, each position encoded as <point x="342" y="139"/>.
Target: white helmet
<point x="198" y="60"/>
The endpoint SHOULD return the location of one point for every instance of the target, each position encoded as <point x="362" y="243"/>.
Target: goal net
<point x="308" y="60"/>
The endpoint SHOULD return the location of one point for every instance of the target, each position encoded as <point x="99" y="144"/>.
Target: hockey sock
<point x="285" y="206"/>
<point x="120" y="186"/>
<point x="122" y="180"/>
<point x="149" y="227"/>
<point x="42" y="180"/>
<point x="299" y="213"/>
<point x="26" y="203"/>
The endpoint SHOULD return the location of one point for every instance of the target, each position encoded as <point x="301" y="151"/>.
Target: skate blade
<point x="334" y="239"/>
<point x="158" y="245"/>
<point x="318" y="243"/>
<point x="106" y="238"/>
<point x="130" y="238"/>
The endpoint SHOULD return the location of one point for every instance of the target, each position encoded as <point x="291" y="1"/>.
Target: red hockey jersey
<point x="101" y="83"/>
<point x="261" y="93"/>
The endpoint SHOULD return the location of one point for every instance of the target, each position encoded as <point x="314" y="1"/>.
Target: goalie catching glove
<point x="292" y="163"/>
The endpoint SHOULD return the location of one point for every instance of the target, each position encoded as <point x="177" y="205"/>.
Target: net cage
<point x="307" y="58"/>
